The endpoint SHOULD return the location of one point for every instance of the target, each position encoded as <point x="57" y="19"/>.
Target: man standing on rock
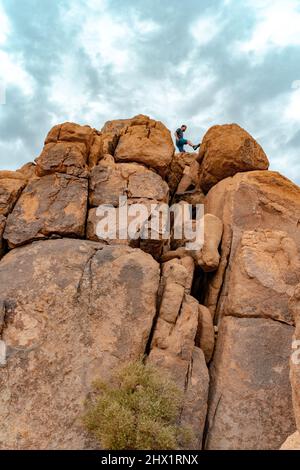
<point x="181" y="142"/>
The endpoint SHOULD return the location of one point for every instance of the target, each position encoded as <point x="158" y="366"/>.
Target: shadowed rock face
<point x="72" y="310"/>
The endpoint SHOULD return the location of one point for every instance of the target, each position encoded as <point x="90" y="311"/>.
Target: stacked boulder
<point x="227" y="150"/>
<point x="75" y="306"/>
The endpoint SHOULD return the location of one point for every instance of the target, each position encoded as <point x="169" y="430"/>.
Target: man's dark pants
<point x="180" y="144"/>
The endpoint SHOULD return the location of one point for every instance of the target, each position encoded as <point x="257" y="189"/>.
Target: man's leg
<point x="195" y="147"/>
<point x="184" y="142"/>
<point x="180" y="145"/>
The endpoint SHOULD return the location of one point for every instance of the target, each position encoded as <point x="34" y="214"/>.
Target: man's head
<point x="183" y="127"/>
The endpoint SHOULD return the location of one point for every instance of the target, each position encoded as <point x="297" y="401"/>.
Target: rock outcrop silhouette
<point x="219" y="320"/>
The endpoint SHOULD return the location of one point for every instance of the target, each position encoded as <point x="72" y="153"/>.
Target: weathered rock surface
<point x="173" y="351"/>
<point x="173" y="347"/>
<point x="190" y="179"/>
<point x="181" y="163"/>
<point x="67" y="150"/>
<point x="73" y="312"/>
<point x="11" y="185"/>
<point x="103" y="144"/>
<point x="227" y="150"/>
<point x="207" y="257"/>
<point x="205" y="337"/>
<point x="173" y="343"/>
<point x="63" y="157"/>
<point x="71" y="132"/>
<point x="110" y="180"/>
<point x="51" y="205"/>
<point x="250" y="404"/>
<point x="292" y="442"/>
<point x="114" y="239"/>
<point x="175" y="283"/>
<point x="250" y="394"/>
<point x="2" y="227"/>
<point x="28" y="171"/>
<point x="119" y="126"/>
<point x="294" y="305"/>
<point x="143" y="140"/>
<point x="267" y="264"/>
<point x="180" y="272"/>
<point x="188" y="189"/>
<point x="195" y="398"/>
<point x="255" y="201"/>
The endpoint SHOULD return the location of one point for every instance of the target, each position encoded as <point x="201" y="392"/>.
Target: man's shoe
<point x="196" y="147"/>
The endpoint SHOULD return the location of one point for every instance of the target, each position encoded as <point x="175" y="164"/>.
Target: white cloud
<point x="292" y="110"/>
<point x="295" y="84"/>
<point x="274" y="126"/>
<point x="205" y="28"/>
<point x="106" y="39"/>
<point x="115" y="76"/>
<point x="4" y="26"/>
<point x="278" y="25"/>
<point x="107" y="42"/>
<point x="143" y="27"/>
<point x="65" y="88"/>
<point x="12" y="72"/>
<point x="14" y="150"/>
<point x="214" y="114"/>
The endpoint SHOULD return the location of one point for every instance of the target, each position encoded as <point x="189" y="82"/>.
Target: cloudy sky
<point x="202" y="62"/>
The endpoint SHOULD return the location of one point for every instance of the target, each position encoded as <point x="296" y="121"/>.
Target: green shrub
<point x="138" y="410"/>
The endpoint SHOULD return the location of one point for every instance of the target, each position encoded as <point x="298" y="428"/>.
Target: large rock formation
<point x="142" y="140"/>
<point x="227" y="150"/>
<point x="11" y="185"/>
<point x="255" y="202"/>
<point x="110" y="180"/>
<point x="248" y="297"/>
<point x="73" y="311"/>
<point x="74" y="305"/>
<point x="51" y="205"/>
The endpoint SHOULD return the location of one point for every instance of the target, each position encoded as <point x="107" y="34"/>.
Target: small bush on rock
<point x="138" y="410"/>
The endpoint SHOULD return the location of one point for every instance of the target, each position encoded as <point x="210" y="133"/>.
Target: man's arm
<point x="176" y="135"/>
